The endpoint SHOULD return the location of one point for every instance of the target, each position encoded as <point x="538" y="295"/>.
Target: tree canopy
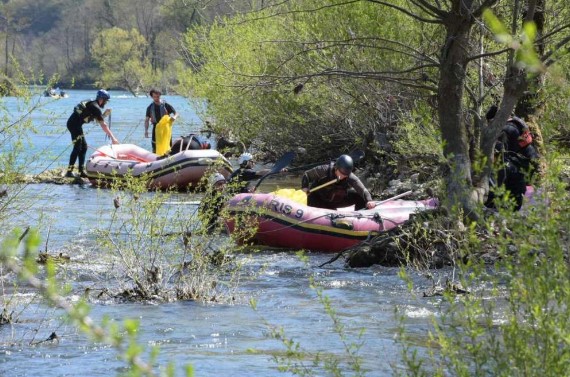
<point x="331" y="74"/>
<point x="54" y="37"/>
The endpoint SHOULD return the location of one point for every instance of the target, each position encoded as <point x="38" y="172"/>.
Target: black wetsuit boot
<point x="82" y="172"/>
<point x="69" y="173"/>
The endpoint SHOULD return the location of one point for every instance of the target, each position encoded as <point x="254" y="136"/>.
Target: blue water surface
<point x="52" y="141"/>
<point x="218" y="339"/>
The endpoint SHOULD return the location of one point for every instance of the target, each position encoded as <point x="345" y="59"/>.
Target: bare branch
<point x="408" y="13"/>
<point x="486" y="4"/>
<point x="327" y="44"/>
<point x="378" y="76"/>
<point x="476" y="98"/>
<point x="487" y="54"/>
<point x="430" y="9"/>
<point x="547" y="57"/>
<point x="553" y="32"/>
<point x="312" y="10"/>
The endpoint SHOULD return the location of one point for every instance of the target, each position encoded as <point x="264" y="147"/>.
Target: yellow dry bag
<point x="163" y="133"/>
<point x="298" y="196"/>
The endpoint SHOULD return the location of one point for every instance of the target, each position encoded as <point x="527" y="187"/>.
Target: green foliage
<point x="165" y="252"/>
<point x="418" y="134"/>
<point x="28" y="16"/>
<point x="120" y="55"/>
<point x="15" y="135"/>
<point x="556" y="122"/>
<point x="54" y="37"/>
<point x="516" y="320"/>
<point x="289" y="75"/>
<point x="526" y="56"/>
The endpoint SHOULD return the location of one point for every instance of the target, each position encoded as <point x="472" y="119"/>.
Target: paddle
<point x="321" y="186"/>
<point x="107" y="136"/>
<point x="279" y="165"/>
<point x="356" y="156"/>
<point x="394" y="197"/>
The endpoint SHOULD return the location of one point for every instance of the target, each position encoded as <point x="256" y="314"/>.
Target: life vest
<point x="81" y="110"/>
<point x="515" y="146"/>
<point x="162" y="110"/>
<point x="81" y="106"/>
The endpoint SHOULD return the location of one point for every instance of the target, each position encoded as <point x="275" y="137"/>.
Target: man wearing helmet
<point x="246" y="173"/>
<point x="517" y="158"/>
<point x="85" y="112"/>
<point x="345" y="190"/>
<point x="154" y="113"/>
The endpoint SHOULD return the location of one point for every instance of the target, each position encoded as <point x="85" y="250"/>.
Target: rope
<point x="348" y="215"/>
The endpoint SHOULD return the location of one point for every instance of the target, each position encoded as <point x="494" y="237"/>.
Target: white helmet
<point x="245" y="157"/>
<point x="217" y="178"/>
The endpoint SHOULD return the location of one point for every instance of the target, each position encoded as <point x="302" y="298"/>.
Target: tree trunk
<point x="454" y="61"/>
<point x="530" y="107"/>
<point x="515" y="86"/>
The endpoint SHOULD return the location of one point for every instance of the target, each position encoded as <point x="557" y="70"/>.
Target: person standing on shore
<point x="154" y="113"/>
<point x="85" y="112"/>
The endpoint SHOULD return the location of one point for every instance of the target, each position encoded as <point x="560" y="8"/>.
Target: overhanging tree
<point x="323" y="47"/>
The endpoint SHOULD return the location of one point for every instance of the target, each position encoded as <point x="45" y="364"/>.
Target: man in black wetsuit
<point x="518" y="159"/>
<point x="85" y="112"/>
<point x="241" y="177"/>
<point x="347" y="190"/>
<point x="154" y="113"/>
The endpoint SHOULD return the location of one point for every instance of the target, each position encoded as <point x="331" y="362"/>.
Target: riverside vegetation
<point x="504" y="310"/>
<point x="473" y="333"/>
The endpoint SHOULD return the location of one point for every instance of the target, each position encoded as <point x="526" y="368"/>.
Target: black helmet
<point x="344" y="164"/>
<point x="103" y="94"/>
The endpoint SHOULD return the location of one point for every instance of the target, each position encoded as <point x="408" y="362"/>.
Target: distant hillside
<point x="53" y="39"/>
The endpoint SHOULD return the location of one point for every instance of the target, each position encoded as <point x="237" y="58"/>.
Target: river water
<point x="217" y="339"/>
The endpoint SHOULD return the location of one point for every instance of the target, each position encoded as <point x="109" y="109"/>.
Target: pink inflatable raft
<point x="180" y="171"/>
<point x="284" y="223"/>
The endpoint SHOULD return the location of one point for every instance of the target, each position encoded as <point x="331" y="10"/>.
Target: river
<point x="217" y="339"/>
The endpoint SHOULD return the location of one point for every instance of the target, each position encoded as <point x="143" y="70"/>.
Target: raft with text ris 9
<point x="284" y="223"/>
<point x="183" y="170"/>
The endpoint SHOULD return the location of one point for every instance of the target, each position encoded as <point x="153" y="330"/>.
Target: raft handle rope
<point x="374" y="216"/>
<point x="320" y="216"/>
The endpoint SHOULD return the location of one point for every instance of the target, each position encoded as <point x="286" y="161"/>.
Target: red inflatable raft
<point x="284" y="223"/>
